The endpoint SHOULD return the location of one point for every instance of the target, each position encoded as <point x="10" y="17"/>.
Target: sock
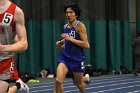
<point x="18" y="85"/>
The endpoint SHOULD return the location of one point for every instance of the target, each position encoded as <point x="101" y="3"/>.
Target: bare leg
<point x="4" y="87"/>
<point x="61" y="73"/>
<point x="78" y="81"/>
<point x="12" y="89"/>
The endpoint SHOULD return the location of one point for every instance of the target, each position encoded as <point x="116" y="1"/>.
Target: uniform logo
<point x="12" y="67"/>
<point x="82" y="65"/>
<point x="72" y="34"/>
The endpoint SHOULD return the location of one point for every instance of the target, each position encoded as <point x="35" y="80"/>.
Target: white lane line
<point x="134" y="91"/>
<point x="106" y="82"/>
<point x="116" y="88"/>
<point x="115" y="81"/>
<point x="100" y="79"/>
<point x="108" y="86"/>
<point x="97" y="87"/>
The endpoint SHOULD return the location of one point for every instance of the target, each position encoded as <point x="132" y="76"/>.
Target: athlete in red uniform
<point x="12" y="39"/>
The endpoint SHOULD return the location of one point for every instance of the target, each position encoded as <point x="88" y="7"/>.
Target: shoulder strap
<point x="76" y="24"/>
<point x="11" y="8"/>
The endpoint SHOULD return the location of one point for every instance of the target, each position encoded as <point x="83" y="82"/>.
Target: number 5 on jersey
<point x="7" y="18"/>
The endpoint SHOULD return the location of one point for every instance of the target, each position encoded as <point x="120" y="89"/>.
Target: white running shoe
<point x="23" y="86"/>
<point x="87" y="79"/>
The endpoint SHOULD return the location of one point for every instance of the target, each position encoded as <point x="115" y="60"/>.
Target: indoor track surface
<point x="101" y="84"/>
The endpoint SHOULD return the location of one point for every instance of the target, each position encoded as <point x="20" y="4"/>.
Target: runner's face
<point x="70" y="15"/>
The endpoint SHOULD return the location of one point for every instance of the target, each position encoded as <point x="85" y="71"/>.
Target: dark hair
<point x="75" y="8"/>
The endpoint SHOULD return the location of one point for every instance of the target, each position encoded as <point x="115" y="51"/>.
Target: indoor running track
<point x="101" y="84"/>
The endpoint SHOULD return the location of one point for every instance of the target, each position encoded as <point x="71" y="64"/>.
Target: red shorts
<point x="8" y="70"/>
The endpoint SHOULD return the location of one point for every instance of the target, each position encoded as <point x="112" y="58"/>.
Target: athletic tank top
<point x="72" y="50"/>
<point x="7" y="30"/>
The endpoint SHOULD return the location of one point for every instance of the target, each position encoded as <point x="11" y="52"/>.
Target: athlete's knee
<point x="58" y="82"/>
<point x="4" y="86"/>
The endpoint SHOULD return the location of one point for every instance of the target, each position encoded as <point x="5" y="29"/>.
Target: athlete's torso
<point x="72" y="50"/>
<point x="7" y="30"/>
